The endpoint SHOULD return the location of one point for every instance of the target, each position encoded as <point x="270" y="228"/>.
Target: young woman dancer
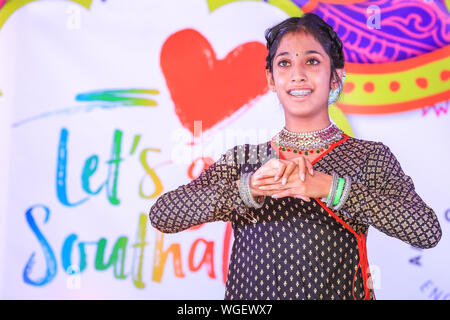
<point x="301" y="204"/>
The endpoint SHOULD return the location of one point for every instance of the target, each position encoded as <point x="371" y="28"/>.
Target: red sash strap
<point x="364" y="264"/>
<point x="362" y="250"/>
<point x="360" y="238"/>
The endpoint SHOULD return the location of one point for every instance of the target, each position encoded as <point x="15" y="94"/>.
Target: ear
<point x="270" y="81"/>
<point x="335" y="84"/>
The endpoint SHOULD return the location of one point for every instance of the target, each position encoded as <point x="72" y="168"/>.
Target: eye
<point x="281" y="62"/>
<point x="313" y="59"/>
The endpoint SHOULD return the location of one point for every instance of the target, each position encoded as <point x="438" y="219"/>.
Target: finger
<point x="265" y="181"/>
<point x="272" y="187"/>
<point x="280" y="171"/>
<point x="301" y="168"/>
<point x="310" y="167"/>
<point x="290" y="167"/>
<point x="305" y="198"/>
<point x="278" y="195"/>
<point x="266" y="190"/>
<point x="263" y="175"/>
<point x="267" y="193"/>
<point x="268" y="169"/>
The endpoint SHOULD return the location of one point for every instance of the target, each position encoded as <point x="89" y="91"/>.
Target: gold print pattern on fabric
<point x="297" y="250"/>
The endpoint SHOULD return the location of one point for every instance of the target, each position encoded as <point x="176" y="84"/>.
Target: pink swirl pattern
<point x="407" y="28"/>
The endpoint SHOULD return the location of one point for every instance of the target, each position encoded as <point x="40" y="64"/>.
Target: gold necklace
<point x="307" y="142"/>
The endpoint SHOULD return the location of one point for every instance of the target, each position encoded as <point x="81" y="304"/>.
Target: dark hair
<point x="309" y="23"/>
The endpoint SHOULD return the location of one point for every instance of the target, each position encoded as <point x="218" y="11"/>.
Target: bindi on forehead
<point x="304" y="53"/>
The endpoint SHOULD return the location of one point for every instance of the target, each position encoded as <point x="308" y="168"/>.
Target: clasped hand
<point x="297" y="178"/>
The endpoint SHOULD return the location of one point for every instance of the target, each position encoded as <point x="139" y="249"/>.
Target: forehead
<point x="299" y="42"/>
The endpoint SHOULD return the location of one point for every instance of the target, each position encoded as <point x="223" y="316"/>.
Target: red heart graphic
<point x="205" y="88"/>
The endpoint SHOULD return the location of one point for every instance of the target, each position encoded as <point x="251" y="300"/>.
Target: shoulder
<point x="362" y="143"/>
<point x="377" y="154"/>
<point x="371" y="147"/>
<point x="249" y="153"/>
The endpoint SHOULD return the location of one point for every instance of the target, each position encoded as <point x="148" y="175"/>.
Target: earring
<point x="334" y="93"/>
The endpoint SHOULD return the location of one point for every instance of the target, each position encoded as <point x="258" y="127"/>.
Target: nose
<point x="298" y="74"/>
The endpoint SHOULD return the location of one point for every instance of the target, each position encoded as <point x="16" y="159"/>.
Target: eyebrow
<point x="306" y="53"/>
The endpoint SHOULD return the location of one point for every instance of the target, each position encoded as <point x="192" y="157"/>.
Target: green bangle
<point x="340" y="188"/>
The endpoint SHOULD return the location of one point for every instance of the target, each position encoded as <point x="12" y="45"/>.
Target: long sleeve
<point x="387" y="201"/>
<point x="212" y="196"/>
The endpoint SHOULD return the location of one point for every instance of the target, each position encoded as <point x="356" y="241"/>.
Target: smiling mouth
<point x="299" y="93"/>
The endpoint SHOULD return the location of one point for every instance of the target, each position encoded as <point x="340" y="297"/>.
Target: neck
<point x="297" y="124"/>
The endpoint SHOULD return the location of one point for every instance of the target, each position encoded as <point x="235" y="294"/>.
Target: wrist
<point x="254" y="191"/>
<point x="247" y="193"/>
<point x="327" y="186"/>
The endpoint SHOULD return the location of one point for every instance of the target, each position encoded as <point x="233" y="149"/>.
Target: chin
<point x="301" y="111"/>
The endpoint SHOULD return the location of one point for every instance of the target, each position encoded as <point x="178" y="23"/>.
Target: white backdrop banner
<point x="106" y="105"/>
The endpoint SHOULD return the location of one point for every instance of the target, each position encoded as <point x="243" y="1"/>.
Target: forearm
<point x="187" y="206"/>
<point x="407" y="218"/>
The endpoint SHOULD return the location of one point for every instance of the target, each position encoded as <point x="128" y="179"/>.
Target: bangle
<point x="345" y="193"/>
<point x="244" y="191"/>
<point x="340" y="188"/>
<point x="333" y="187"/>
<point x="254" y="203"/>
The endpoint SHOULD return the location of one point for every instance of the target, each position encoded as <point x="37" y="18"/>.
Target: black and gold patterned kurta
<point x="299" y="249"/>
